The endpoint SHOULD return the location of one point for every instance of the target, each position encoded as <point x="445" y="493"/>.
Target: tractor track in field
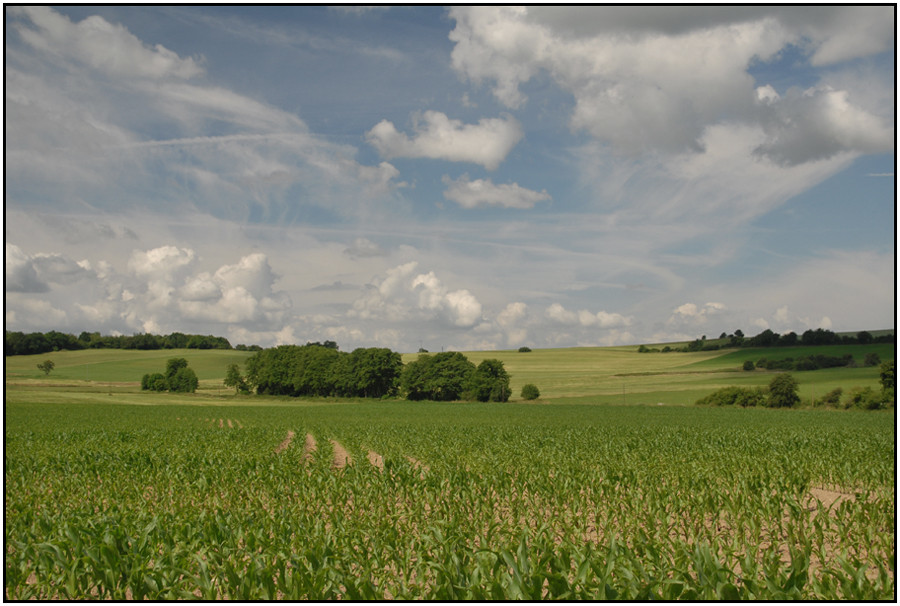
<point x="341" y="456"/>
<point x="222" y="422"/>
<point x="309" y="448"/>
<point x="285" y="442"/>
<point x="376" y="460"/>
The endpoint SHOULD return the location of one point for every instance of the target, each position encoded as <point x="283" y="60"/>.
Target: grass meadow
<point x="114" y="493"/>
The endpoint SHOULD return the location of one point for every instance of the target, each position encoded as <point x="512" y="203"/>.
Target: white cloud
<point x="818" y="123"/>
<point x="160" y="262"/>
<point x="690" y="316"/>
<point x="85" y="105"/>
<point x="21" y="275"/>
<point x="655" y="78"/>
<point x="585" y="318"/>
<point x="106" y="47"/>
<point x="483" y="192"/>
<point x="438" y="137"/>
<point x="400" y="296"/>
<point x="849" y="32"/>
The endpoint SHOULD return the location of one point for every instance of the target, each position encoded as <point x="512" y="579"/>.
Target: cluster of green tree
<point x="321" y="369"/>
<point x="318" y="369"/>
<point x="23" y="344"/>
<point x="449" y="376"/>
<point x="768" y="338"/>
<point x="179" y="377"/>
<point x="813" y="362"/>
<point x="782" y="393"/>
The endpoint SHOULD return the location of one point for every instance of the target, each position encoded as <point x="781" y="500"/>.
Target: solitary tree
<point x="783" y="391"/>
<point x="46" y="366"/>
<point x="234" y="379"/>
<point x="887" y="375"/>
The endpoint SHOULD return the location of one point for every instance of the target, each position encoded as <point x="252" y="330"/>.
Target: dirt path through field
<point x="341" y="456"/>
<point x="285" y="443"/>
<point x="376" y="460"/>
<point x="309" y="448"/>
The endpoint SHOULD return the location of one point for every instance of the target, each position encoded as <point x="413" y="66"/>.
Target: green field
<point x="601" y="375"/>
<point x="116" y="493"/>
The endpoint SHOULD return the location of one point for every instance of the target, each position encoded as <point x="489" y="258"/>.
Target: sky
<point x="450" y="178"/>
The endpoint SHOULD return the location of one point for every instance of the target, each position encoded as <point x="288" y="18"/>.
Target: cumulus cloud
<point x="438" y="137"/>
<point x="654" y="78"/>
<point x="160" y="262"/>
<point x="691" y="314"/>
<point x="21" y="275"/>
<point x="585" y="318"/>
<point x="512" y="321"/>
<point x="483" y="192"/>
<point x="161" y="291"/>
<point x="818" y="123"/>
<point x="35" y="273"/>
<point x="402" y="294"/>
<point x="234" y="294"/>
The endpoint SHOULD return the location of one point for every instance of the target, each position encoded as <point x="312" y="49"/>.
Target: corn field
<point x="397" y="500"/>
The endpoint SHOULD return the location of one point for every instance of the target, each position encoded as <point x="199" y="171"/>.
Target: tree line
<point x="23" y="344"/>
<point x="782" y="393"/>
<point x="813" y="362"/>
<point x="768" y="338"/>
<point x="317" y="369"/>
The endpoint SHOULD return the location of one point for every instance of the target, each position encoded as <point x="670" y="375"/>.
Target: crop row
<point x="127" y="503"/>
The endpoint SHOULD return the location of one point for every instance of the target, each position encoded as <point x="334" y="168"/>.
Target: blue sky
<point x="457" y="178"/>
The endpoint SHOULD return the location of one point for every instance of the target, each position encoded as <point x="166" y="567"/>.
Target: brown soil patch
<point x="285" y="443"/>
<point x="221" y="423"/>
<point x="341" y="456"/>
<point x="417" y="464"/>
<point x="376" y="460"/>
<point x="309" y="448"/>
<point x="829" y="498"/>
<point x="230" y="424"/>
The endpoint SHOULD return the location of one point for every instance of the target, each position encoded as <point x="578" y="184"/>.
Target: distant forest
<point x="20" y="344"/>
<point x="768" y="338"/>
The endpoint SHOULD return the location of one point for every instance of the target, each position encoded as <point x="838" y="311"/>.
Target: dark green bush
<point x="832" y="398"/>
<point x="735" y="396"/>
<point x="530" y="392"/>
<point x="783" y="391"/>
<point x="872" y="359"/>
<point x="864" y="399"/>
